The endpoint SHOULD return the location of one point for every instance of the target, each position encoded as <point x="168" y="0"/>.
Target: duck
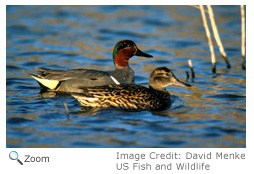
<point x="69" y="80"/>
<point x="132" y="97"/>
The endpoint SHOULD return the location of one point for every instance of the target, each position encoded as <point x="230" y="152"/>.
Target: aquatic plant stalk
<point x="198" y="7"/>
<point x="243" y="36"/>
<point x="67" y="111"/>
<point x="210" y="43"/>
<point x="192" y="70"/>
<point x="217" y="36"/>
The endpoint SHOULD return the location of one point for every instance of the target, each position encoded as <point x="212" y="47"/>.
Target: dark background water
<point x="210" y="114"/>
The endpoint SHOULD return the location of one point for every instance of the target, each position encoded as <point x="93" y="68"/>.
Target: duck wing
<point x="69" y="80"/>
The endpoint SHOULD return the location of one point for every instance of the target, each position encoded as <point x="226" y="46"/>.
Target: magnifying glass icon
<point x="14" y="156"/>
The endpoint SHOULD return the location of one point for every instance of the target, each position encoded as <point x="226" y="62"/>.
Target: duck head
<point x="162" y="77"/>
<point x="124" y="50"/>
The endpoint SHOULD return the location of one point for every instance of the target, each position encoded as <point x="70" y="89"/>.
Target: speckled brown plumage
<point x="131" y="96"/>
<point x="128" y="96"/>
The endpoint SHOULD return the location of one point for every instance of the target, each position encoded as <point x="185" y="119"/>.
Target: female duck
<point x="69" y="80"/>
<point x="131" y="96"/>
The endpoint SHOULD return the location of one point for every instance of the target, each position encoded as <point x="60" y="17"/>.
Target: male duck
<point x="131" y="96"/>
<point x="69" y="80"/>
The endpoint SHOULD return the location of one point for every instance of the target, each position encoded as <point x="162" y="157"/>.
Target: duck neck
<point x="155" y="87"/>
<point x="121" y="61"/>
<point x="121" y="57"/>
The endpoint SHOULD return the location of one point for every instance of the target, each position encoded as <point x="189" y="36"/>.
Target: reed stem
<point x="210" y="43"/>
<point x="192" y="70"/>
<point x="198" y="7"/>
<point x="67" y="111"/>
<point x="243" y="36"/>
<point x="217" y="36"/>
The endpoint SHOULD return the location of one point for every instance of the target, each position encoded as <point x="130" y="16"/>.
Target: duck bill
<point x="142" y="54"/>
<point x="180" y="83"/>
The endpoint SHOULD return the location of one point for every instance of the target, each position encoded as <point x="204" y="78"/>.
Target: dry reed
<point x="192" y="70"/>
<point x="243" y="36"/>
<point x="210" y="43"/>
<point x="67" y="111"/>
<point x="217" y="36"/>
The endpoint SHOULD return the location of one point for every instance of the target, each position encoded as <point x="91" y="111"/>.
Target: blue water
<point x="212" y="113"/>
